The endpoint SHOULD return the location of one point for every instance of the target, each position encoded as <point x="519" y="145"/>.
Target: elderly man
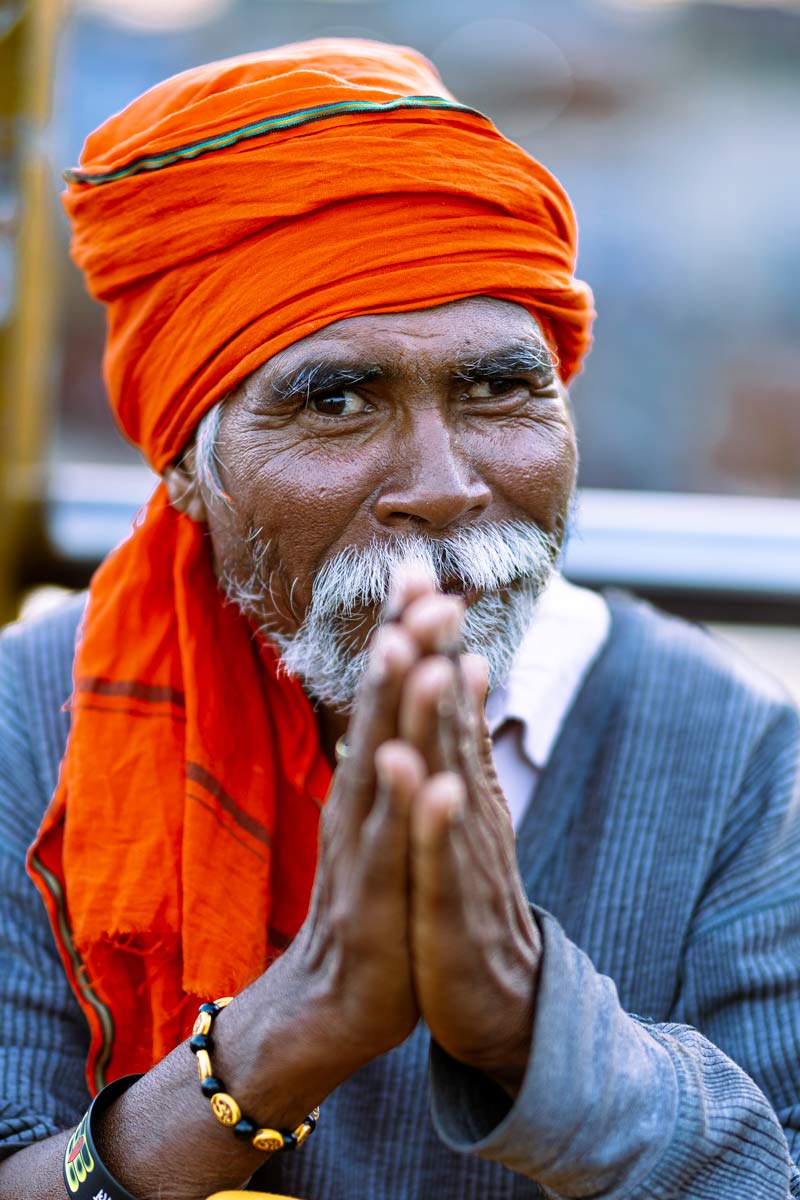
<point x="342" y="312"/>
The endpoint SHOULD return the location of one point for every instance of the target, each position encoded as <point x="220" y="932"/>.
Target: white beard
<point x="508" y="563"/>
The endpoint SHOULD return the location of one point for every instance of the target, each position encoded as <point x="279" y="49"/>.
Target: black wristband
<point x="85" y="1175"/>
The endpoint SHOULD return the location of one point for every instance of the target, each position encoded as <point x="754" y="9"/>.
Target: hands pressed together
<point x="418" y="908"/>
<point x="418" y="911"/>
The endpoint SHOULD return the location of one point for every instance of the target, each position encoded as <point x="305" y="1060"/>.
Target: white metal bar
<point x="729" y="544"/>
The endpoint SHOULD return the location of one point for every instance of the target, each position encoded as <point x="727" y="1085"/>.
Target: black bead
<point x="209" y="1087"/>
<point x="210" y="1008"/>
<point x="289" y="1140"/>
<point x="311" y="1122"/>
<point x="201" y="1041"/>
<point x="245" y="1128"/>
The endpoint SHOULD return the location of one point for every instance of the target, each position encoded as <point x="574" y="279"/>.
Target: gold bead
<point x="202" y="1024"/>
<point x="225" y="1109"/>
<point x="223" y="1001"/>
<point x="302" y="1132"/>
<point x="268" y="1140"/>
<point x="204" y="1070"/>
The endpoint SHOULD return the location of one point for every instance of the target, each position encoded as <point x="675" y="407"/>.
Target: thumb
<point x="476" y="680"/>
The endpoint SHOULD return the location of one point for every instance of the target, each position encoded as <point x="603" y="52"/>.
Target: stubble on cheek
<point x="251" y="575"/>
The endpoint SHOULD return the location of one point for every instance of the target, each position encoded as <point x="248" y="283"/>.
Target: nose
<point x="431" y="482"/>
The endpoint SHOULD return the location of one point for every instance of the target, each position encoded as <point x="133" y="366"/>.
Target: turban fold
<point x="221" y="217"/>
<point x="235" y="209"/>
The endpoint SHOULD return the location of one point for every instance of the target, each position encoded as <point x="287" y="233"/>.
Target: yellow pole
<point x="27" y="337"/>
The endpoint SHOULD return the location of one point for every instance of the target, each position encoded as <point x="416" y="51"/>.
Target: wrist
<point x="86" y="1173"/>
<point x="505" y="1054"/>
<point x="278" y="1049"/>
<point x="510" y="1074"/>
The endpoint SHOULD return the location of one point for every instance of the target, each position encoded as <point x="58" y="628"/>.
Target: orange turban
<point x="222" y="216"/>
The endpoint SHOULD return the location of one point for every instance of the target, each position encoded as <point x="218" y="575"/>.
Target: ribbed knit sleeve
<point x="704" y="1106"/>
<point x="599" y="1102"/>
<point x="43" y="1038"/>
<point x="741" y="983"/>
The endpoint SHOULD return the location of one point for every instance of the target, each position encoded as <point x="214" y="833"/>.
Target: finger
<point x="476" y="678"/>
<point x="446" y="858"/>
<point x="434" y="621"/>
<point x="400" y="770"/>
<point x="473" y="737"/>
<point x="384" y="836"/>
<point x="374" y="720"/>
<point x="408" y="582"/>
<point x="436" y="716"/>
<point x="474" y="962"/>
<point x="458" y="725"/>
<point x="475" y="670"/>
<point x="475" y="675"/>
<point x="427" y="700"/>
<point x="436" y="818"/>
<point x="438" y="807"/>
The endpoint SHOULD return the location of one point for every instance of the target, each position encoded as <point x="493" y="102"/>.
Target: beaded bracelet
<point x="223" y="1105"/>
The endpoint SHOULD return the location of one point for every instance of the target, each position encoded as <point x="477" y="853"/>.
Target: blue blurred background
<point x="673" y="126"/>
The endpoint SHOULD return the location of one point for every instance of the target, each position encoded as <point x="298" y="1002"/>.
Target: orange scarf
<point x="178" y="853"/>
<point x="222" y="216"/>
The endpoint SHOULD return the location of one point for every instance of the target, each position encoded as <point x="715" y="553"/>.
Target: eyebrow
<point x="310" y="378"/>
<point x="517" y="358"/>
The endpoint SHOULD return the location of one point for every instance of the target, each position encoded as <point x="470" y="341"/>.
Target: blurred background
<point x="673" y="126"/>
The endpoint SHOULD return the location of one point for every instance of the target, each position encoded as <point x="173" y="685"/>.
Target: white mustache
<point x="508" y="564"/>
<point x="478" y="558"/>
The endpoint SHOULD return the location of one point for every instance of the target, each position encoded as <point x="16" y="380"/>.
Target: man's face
<point x="384" y="431"/>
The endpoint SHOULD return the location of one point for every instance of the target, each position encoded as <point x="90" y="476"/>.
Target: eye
<point x="491" y="389"/>
<point x="338" y="404"/>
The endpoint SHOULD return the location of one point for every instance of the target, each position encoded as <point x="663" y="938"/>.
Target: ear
<point x="183" y="488"/>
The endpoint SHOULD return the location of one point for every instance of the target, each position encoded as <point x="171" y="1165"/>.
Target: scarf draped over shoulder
<point x="224" y="215"/>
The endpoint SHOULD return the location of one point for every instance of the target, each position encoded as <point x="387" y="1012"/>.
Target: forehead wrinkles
<point x="466" y="329"/>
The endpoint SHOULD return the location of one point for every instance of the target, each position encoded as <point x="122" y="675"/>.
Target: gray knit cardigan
<point x="662" y="855"/>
